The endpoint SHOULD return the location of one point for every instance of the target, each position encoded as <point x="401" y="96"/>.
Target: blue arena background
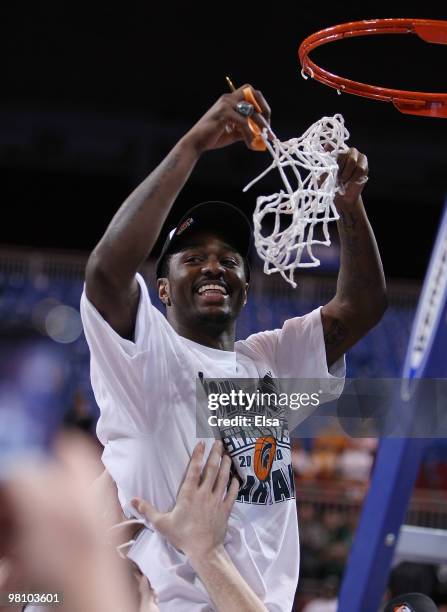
<point x="45" y="358"/>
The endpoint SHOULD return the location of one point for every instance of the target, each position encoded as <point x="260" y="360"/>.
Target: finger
<point x="232" y="121"/>
<point x="239" y="92"/>
<point x="258" y="121"/>
<point x="223" y="477"/>
<point x="191" y="479"/>
<point x="232" y="493"/>
<point x="349" y="166"/>
<point x="361" y="170"/>
<point x="266" y="110"/>
<point x="212" y="466"/>
<point x="341" y="161"/>
<point x="247" y="129"/>
<point x="255" y="97"/>
<point x="146" y="509"/>
<point x="260" y="118"/>
<point x="148" y="596"/>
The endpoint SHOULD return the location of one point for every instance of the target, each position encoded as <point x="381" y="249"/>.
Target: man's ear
<point x="163" y="291"/>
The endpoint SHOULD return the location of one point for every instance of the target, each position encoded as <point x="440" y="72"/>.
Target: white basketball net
<point x="312" y="161"/>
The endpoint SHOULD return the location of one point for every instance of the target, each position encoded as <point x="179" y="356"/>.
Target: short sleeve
<point x="297" y="352"/>
<point x="303" y="338"/>
<point x="95" y="327"/>
<point x="120" y="368"/>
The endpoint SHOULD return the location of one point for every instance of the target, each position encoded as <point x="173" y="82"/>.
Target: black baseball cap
<point x="224" y="219"/>
<point x="411" y="602"/>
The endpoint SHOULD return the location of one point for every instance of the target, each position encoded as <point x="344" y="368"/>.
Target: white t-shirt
<point x="146" y="391"/>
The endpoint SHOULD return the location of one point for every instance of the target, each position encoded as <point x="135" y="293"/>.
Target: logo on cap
<point x="184" y="226"/>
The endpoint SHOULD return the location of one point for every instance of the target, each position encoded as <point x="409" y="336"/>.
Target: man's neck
<point x="209" y="335"/>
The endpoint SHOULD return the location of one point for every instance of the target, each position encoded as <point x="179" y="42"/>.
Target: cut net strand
<point x="309" y="163"/>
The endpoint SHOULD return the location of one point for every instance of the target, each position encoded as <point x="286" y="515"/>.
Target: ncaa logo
<point x="265" y="451"/>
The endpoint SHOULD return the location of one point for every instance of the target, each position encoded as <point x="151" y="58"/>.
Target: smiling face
<point x="205" y="286"/>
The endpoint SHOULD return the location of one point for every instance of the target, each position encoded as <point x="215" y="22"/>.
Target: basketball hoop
<point x="409" y="102"/>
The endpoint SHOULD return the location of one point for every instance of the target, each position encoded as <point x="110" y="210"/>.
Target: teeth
<point x="204" y="288"/>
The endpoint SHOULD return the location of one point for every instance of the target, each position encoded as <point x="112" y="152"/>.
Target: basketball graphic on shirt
<point x="265" y="450"/>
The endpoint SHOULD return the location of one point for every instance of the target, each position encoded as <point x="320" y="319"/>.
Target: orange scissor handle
<point x="257" y="143"/>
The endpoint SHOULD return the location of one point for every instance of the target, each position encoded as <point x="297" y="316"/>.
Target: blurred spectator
<point x="326" y="449"/>
<point x="339" y="541"/>
<point x="355" y="462"/>
<point x="324" y="459"/>
<point x="302" y="461"/>
<point x="410" y="578"/>
<point x="327" y="601"/>
<point x="313" y="540"/>
<point x="411" y="602"/>
<point x="433" y="471"/>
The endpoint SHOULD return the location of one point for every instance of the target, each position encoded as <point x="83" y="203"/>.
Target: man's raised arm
<point x="360" y="300"/>
<point x="133" y="231"/>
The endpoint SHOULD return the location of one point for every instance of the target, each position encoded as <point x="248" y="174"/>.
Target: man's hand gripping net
<point x="311" y="160"/>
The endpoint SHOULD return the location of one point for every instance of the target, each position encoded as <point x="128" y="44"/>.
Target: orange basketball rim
<point x="409" y="102"/>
